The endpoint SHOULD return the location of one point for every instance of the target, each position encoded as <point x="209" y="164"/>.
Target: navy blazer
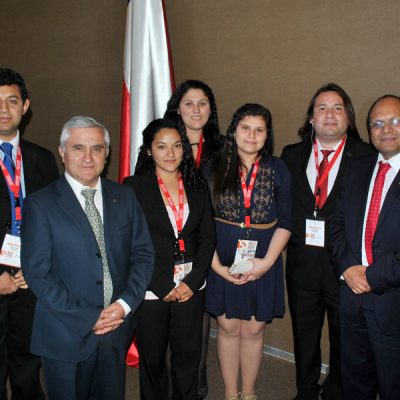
<point x="198" y="233"/>
<point x="383" y="275"/>
<point x="61" y="263"/>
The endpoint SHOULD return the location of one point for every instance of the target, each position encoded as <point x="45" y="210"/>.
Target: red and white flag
<point x="148" y="76"/>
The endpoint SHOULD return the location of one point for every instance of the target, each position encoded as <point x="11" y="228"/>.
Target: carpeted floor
<point x="276" y="380"/>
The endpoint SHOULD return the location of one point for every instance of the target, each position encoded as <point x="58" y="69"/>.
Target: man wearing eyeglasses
<point x="365" y="247"/>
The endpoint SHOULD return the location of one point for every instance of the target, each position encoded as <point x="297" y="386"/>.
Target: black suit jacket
<point x="306" y="264"/>
<point x="198" y="233"/>
<point x="346" y="227"/>
<point x="40" y="169"/>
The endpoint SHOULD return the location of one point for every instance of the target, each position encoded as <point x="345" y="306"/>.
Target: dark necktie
<point x="322" y="189"/>
<point x="8" y="163"/>
<point x="96" y="223"/>
<point x="374" y="209"/>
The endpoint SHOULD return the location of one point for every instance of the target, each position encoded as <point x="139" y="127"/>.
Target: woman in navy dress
<point x="243" y="303"/>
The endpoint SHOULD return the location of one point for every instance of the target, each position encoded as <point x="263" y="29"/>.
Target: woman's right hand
<point x="237" y="279"/>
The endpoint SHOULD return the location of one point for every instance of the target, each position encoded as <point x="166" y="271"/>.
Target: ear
<point x="312" y="121"/>
<point x="148" y="152"/>
<point x="25" y="107"/>
<point x="61" y="152"/>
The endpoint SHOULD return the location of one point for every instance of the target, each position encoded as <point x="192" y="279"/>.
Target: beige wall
<point x="273" y="52"/>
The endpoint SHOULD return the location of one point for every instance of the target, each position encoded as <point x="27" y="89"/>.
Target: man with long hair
<point x="318" y="164"/>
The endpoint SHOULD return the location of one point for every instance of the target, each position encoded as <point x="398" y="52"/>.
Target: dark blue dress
<point x="271" y="200"/>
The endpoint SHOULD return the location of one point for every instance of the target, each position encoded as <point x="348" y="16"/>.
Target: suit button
<point x="99" y="307"/>
<point x="99" y="282"/>
<point x="8" y="225"/>
<point x="98" y="255"/>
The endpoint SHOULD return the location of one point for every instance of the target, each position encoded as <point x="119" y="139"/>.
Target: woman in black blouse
<point x="176" y="203"/>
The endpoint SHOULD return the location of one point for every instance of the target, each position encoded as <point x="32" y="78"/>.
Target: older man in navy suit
<point x="365" y="248"/>
<point x="89" y="260"/>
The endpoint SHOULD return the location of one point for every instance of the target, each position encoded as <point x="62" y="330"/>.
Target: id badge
<point x="181" y="270"/>
<point x="315" y="232"/>
<point x="10" y="251"/>
<point x="245" y="250"/>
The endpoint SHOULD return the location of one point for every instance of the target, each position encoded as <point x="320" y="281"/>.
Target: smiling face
<point x="386" y="139"/>
<point x="167" y="151"/>
<point x="84" y="154"/>
<point x="250" y="135"/>
<point x="329" y="119"/>
<point x="194" y="109"/>
<point x="12" y="108"/>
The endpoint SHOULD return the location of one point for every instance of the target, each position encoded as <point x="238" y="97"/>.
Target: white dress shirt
<point x="312" y="172"/>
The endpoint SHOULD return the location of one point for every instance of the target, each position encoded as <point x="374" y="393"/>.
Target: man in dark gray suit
<point x="318" y="164"/>
<point x="89" y="263"/>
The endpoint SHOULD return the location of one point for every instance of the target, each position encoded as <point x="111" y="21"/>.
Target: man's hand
<point x="19" y="280"/>
<point x="110" y="319"/>
<point x="356" y="279"/>
<point x="7" y="285"/>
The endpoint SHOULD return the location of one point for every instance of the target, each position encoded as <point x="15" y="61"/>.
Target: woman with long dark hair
<point x="252" y="206"/>
<point x="176" y="203"/>
<point x="192" y="106"/>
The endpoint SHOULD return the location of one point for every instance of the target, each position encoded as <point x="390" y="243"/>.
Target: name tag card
<point x="10" y="251"/>
<point x="315" y="232"/>
<point x="181" y="270"/>
<point x="245" y="250"/>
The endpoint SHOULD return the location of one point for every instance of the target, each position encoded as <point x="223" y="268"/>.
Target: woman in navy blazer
<point x="172" y="311"/>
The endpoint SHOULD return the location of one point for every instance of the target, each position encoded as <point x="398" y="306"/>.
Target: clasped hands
<point x="180" y="293"/>
<point x="356" y="279"/>
<point x="260" y="267"/>
<point x="10" y="284"/>
<point x="110" y="319"/>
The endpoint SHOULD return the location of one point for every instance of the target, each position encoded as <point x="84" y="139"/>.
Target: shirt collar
<point x="77" y="186"/>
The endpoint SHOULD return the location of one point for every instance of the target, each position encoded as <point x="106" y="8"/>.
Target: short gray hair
<point x="80" y="121"/>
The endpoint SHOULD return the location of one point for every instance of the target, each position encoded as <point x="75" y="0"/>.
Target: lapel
<point x="392" y="197"/>
<point x="111" y="209"/>
<point x="347" y="156"/>
<point x="306" y="152"/>
<point x="159" y="206"/>
<point x="72" y="208"/>
<point x="29" y="160"/>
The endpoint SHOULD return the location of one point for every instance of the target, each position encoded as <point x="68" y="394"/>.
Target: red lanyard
<point x="16" y="184"/>
<point x="199" y="150"/>
<point x="324" y="177"/>
<point x="178" y="215"/>
<point x="247" y="190"/>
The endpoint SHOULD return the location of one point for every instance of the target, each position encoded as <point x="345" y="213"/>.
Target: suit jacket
<point x="306" y="264"/>
<point x="62" y="264"/>
<point x="346" y="226"/>
<point x="40" y="169"/>
<point x="198" y="233"/>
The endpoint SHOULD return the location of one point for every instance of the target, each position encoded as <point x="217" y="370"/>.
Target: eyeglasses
<point x="380" y="124"/>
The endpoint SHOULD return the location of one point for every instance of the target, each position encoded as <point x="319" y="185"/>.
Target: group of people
<point x="199" y="230"/>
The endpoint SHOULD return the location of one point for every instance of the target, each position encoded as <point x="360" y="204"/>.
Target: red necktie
<point x="374" y="209"/>
<point x="322" y="188"/>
